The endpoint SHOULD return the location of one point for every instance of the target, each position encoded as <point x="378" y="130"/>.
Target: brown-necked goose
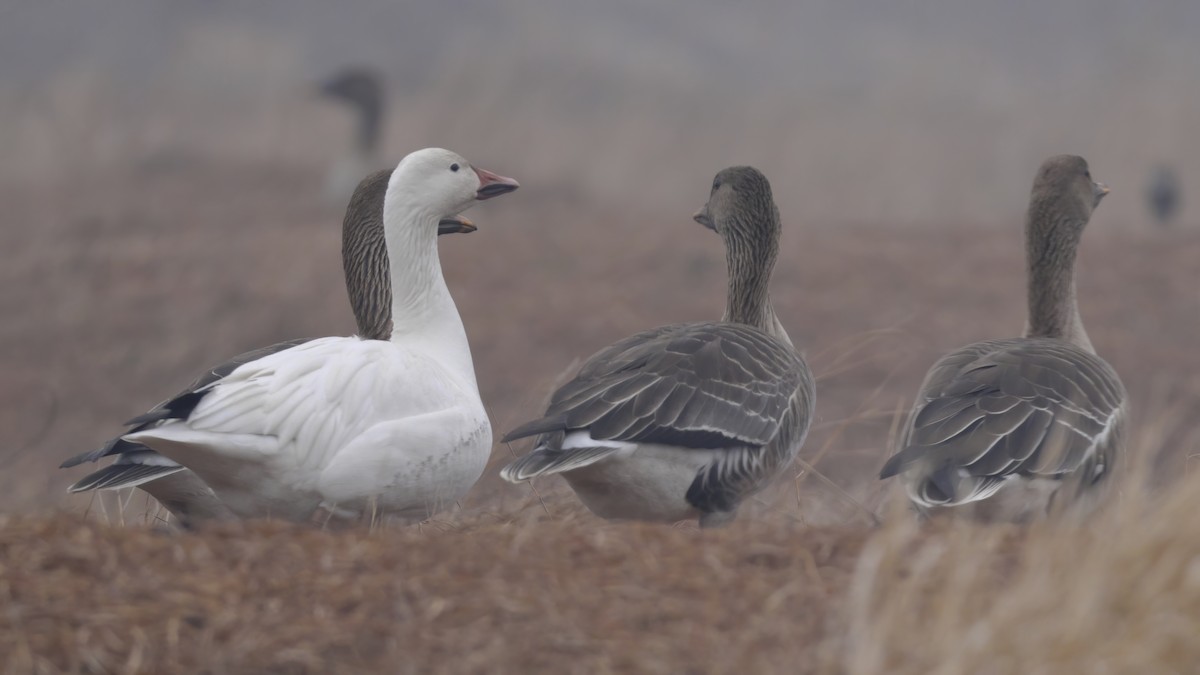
<point x="686" y="420"/>
<point x="1023" y="417"/>
<point x="366" y="266"/>
<point x="360" y="89"/>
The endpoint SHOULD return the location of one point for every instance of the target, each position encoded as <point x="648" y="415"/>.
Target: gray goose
<point x="1162" y="194"/>
<point x="365" y="262"/>
<point x="1022" y="418"/>
<point x="360" y="89"/>
<point x="686" y="420"/>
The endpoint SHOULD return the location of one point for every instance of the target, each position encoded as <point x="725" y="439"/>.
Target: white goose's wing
<point x="284" y="417"/>
<point x="136" y="463"/>
<point x="1032" y="407"/>
<point x="705" y="386"/>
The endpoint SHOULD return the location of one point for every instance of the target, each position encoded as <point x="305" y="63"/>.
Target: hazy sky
<point x="910" y="107"/>
<point x="788" y="42"/>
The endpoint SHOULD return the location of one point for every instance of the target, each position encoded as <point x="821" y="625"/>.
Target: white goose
<point x="355" y="426"/>
<point x="365" y="261"/>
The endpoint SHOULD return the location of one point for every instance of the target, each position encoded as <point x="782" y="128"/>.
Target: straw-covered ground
<point x="528" y="594"/>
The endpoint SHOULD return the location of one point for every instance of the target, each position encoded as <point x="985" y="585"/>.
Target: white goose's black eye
<point x="454" y="167"/>
<point x="1088" y="173"/>
<point x="716" y="185"/>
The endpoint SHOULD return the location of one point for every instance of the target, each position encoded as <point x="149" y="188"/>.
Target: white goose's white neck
<point x="423" y="313"/>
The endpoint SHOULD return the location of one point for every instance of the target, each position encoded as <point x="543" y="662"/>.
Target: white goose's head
<point x="439" y="184"/>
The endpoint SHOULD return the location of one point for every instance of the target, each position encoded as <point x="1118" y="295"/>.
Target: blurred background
<point x="169" y="193"/>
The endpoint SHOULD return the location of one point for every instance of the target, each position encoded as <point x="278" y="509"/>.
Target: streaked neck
<point x="1051" y="244"/>
<point x="750" y="262"/>
<point x="365" y="263"/>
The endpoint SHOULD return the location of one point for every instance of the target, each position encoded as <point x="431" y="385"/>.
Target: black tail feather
<point x="115" y="446"/>
<point x="544" y="425"/>
<point x="178" y="408"/>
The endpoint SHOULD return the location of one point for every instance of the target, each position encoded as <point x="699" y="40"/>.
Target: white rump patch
<point x="583" y="439"/>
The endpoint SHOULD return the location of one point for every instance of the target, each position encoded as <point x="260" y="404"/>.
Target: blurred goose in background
<point x="365" y="263"/>
<point x="360" y="89"/>
<point x="686" y="420"/>
<point x="1162" y="194"/>
<point x="1024" y="417"/>
<point x="388" y="421"/>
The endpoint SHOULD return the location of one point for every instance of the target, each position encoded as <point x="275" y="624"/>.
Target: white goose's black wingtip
<point x="90" y="456"/>
<point x="156" y="415"/>
<point x="181" y="406"/>
<point x="94" y="455"/>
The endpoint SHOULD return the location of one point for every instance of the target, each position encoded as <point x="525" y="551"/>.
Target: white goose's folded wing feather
<point x="310" y="400"/>
<point x="135" y="454"/>
<point x="1023" y="406"/>
<point x="705" y="386"/>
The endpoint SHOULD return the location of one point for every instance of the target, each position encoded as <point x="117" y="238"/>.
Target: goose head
<point x="740" y="205"/>
<point x="357" y="87"/>
<point x="1065" y="190"/>
<point x="1060" y="205"/>
<point x="441" y="184"/>
<point x="742" y="210"/>
<point x="361" y="89"/>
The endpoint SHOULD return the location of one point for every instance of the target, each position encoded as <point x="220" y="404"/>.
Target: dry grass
<point x="1120" y="595"/>
<point x="526" y="592"/>
<point x="480" y="596"/>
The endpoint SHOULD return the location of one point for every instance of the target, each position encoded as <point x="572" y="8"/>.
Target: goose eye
<point x="454" y="167"/>
<point x="1088" y="173"/>
<point x="716" y="185"/>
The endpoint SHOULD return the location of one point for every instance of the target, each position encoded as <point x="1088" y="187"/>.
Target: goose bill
<point x="455" y="225"/>
<point x="493" y="185"/>
<point x="704" y="219"/>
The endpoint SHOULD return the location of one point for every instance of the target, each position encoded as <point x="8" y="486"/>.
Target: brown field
<point x="522" y="593"/>
<point x="161" y="211"/>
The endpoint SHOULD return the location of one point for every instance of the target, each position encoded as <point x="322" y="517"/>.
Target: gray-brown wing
<point x="1023" y="406"/>
<point x="703" y="385"/>
<point x="188" y="397"/>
